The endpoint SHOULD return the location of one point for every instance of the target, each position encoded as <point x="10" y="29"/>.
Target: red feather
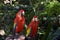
<point x="20" y="20"/>
<point x="34" y="27"/>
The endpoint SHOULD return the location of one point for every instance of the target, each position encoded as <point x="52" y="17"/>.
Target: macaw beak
<point x="22" y="13"/>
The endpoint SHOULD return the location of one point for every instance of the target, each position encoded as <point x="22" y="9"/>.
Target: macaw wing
<point x="14" y="27"/>
<point x="28" y="31"/>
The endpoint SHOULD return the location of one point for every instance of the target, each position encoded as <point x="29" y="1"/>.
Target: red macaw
<point x="32" y="27"/>
<point x="19" y="21"/>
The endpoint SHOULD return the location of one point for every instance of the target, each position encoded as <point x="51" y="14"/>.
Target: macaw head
<point x="35" y="18"/>
<point x="22" y="12"/>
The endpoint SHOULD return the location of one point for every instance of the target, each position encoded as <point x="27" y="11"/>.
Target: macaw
<point x="19" y="21"/>
<point x="32" y="27"/>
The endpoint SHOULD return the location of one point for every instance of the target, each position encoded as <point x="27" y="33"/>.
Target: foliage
<point x="48" y="8"/>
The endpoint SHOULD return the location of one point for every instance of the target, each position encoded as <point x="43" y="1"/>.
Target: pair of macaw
<point x="19" y="23"/>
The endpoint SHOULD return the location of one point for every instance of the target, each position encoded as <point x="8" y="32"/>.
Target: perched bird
<point x="32" y="27"/>
<point x="19" y="21"/>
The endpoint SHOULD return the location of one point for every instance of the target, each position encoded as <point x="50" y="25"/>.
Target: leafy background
<point x="43" y="8"/>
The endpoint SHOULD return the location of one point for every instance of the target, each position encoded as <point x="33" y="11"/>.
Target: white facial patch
<point x="23" y="13"/>
<point x="35" y="19"/>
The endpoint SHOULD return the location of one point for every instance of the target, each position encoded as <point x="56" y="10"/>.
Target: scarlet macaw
<point x="32" y="27"/>
<point x="19" y="21"/>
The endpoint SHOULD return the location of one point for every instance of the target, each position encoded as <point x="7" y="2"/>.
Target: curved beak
<point x="22" y="13"/>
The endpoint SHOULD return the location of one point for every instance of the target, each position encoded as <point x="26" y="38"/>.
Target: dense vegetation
<point x="48" y="12"/>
